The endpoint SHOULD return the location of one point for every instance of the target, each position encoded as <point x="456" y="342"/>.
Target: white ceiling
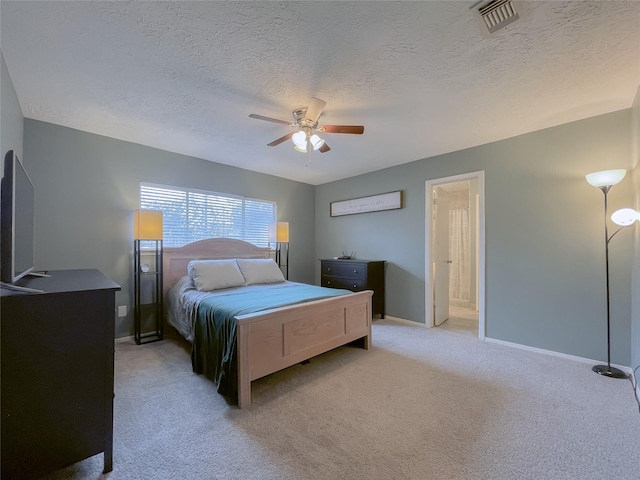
<point x="424" y="78"/>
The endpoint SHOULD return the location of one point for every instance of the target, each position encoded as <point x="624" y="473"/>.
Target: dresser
<point x="57" y="360"/>
<point x="356" y="275"/>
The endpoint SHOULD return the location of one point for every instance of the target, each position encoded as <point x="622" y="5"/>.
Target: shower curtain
<point x="459" y="254"/>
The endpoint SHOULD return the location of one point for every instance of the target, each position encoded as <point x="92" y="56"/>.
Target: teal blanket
<point x="213" y="352"/>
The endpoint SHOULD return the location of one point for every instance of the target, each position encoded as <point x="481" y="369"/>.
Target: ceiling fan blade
<point x="324" y="148"/>
<point x="357" y="129"/>
<point x="280" y="140"/>
<point x="314" y="109"/>
<point x="269" y="119"/>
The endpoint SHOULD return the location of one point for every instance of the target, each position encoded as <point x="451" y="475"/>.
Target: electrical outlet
<point x="122" y="311"/>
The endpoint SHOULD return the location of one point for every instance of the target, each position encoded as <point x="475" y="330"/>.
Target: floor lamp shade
<point x="279" y="232"/>
<point x="606" y="178"/>
<point x="147" y="225"/>
<point x="625" y="217"/>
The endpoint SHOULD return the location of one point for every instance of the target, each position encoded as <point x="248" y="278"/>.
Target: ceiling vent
<point x="497" y="14"/>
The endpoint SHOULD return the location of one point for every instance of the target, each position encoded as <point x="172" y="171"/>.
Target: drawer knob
<point x="355" y="271"/>
<point x="354" y="285"/>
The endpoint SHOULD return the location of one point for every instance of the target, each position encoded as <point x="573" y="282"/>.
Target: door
<point x="441" y="256"/>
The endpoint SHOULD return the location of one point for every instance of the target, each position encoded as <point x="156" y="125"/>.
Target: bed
<point x="260" y="339"/>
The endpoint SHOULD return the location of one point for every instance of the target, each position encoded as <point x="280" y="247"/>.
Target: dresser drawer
<point x="349" y="270"/>
<point x="354" y="284"/>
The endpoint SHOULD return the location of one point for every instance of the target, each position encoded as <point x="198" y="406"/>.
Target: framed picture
<point x="372" y="203"/>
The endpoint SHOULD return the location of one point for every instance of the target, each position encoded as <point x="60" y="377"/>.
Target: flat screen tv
<point x="17" y="221"/>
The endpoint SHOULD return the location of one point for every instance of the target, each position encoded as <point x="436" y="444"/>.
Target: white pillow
<point x="210" y="275"/>
<point x="260" y="270"/>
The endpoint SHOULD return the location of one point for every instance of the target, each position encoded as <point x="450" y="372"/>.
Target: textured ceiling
<point x="424" y="78"/>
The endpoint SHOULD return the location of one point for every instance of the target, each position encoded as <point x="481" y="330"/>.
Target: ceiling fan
<point x="305" y="122"/>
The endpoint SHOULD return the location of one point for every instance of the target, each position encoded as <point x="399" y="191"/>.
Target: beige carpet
<point x="421" y="404"/>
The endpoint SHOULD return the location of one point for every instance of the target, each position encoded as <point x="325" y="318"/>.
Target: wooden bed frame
<point x="271" y="340"/>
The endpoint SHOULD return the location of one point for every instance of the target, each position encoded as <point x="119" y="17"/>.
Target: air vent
<point x="497" y="14"/>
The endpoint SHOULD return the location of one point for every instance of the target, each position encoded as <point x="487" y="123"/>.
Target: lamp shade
<point x="625" y="217"/>
<point x="147" y="225"/>
<point x="279" y="232"/>
<point x="606" y="178"/>
<point x="299" y="139"/>
<point x="316" y="141"/>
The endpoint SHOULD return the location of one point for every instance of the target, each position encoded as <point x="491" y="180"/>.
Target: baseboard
<point x="625" y="369"/>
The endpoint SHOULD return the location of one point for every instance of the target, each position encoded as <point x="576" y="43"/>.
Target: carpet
<point x="420" y="404"/>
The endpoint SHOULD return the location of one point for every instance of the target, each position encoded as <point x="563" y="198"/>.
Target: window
<point x="190" y="215"/>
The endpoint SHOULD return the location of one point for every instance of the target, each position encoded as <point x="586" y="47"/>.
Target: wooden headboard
<point x="176" y="260"/>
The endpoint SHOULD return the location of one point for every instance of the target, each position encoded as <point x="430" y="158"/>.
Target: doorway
<point x="454" y="253"/>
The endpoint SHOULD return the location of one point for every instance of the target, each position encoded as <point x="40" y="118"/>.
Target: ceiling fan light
<point x="302" y="149"/>
<point x="299" y="139"/>
<point x="316" y="141"/>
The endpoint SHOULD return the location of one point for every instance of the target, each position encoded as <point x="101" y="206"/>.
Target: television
<point x="17" y="221"/>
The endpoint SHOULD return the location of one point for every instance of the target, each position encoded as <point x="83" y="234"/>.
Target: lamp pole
<point x="279" y="258"/>
<point x="279" y="233"/>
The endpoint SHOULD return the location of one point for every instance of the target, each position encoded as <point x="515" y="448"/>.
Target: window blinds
<point x="190" y="215"/>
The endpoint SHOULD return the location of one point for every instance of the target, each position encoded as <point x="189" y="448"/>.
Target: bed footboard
<point x="275" y="339"/>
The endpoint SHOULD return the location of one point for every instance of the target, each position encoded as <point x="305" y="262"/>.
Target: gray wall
<point x="87" y="187"/>
<point x="544" y="235"/>
<point x="11" y="123"/>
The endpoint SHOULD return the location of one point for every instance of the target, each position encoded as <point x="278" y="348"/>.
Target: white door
<point x="441" y="256"/>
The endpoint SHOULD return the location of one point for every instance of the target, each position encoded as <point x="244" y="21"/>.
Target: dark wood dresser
<point x="57" y="372"/>
<point x="356" y="275"/>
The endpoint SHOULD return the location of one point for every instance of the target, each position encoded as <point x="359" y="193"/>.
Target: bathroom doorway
<point x="454" y="253"/>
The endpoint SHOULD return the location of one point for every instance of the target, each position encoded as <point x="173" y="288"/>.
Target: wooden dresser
<point x="57" y="372"/>
<point x="356" y="275"/>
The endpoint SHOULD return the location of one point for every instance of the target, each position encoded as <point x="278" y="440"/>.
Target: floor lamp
<point x="625" y="217"/>
<point x="279" y="233"/>
<point x="147" y="227"/>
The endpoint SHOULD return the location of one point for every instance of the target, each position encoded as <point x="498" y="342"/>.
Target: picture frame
<point x="371" y="203"/>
